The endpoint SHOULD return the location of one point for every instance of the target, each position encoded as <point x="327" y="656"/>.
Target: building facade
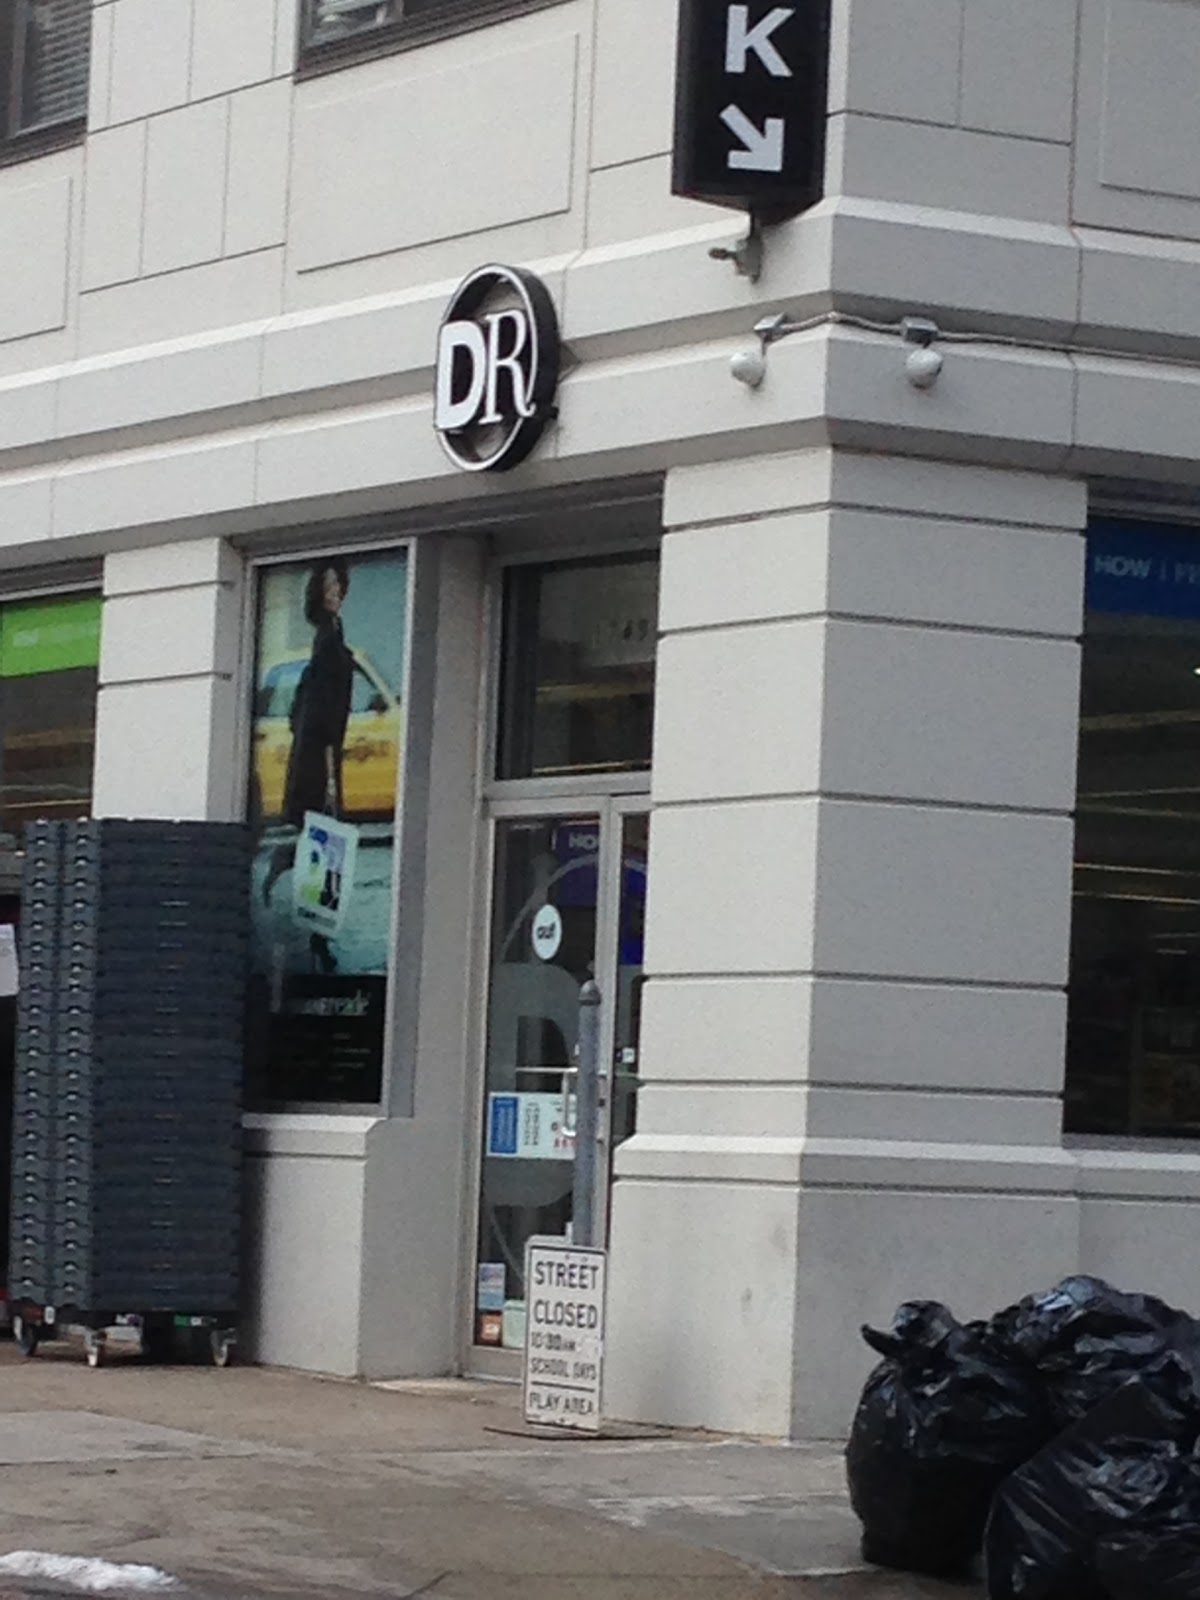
<point x="761" y="705"/>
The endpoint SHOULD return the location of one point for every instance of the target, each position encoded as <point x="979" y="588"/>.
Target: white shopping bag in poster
<point x="324" y="872"/>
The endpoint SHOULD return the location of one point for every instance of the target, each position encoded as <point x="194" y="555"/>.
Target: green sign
<point x="50" y="636"/>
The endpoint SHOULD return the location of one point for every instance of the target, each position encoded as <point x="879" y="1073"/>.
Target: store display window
<point x="1133" y="1051"/>
<point x="49" y="671"/>
<point x="328" y="728"/>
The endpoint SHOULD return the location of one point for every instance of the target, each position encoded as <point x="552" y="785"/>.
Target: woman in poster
<point x="318" y="724"/>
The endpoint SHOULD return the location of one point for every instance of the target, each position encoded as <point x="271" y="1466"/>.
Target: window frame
<point x="452" y="17"/>
<point x="16" y="145"/>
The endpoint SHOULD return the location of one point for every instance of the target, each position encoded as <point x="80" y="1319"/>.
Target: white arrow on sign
<point x="763" y="150"/>
<point x="741" y="39"/>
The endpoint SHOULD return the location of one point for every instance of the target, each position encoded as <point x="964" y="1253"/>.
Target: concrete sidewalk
<point x="252" y="1482"/>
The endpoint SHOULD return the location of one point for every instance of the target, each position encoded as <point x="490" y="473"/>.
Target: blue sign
<point x="576" y="847"/>
<point x="503" y="1125"/>
<point x="633" y="914"/>
<point x="1146" y="569"/>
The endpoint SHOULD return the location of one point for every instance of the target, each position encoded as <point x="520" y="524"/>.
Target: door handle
<point x="569" y="1100"/>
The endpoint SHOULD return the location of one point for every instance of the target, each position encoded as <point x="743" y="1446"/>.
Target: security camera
<point x="923" y="367"/>
<point x="748" y="367"/>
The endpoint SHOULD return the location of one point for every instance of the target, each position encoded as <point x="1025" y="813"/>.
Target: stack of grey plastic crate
<point x="126" y="1186"/>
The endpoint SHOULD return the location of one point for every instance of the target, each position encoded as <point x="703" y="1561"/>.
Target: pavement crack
<point x="427" y="1588"/>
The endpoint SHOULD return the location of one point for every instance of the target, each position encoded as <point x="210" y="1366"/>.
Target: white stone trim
<point x="307" y="1134"/>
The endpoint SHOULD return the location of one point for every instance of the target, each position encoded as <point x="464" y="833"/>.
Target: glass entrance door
<point x="568" y="903"/>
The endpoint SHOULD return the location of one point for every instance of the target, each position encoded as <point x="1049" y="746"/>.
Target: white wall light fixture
<point x="924" y="364"/>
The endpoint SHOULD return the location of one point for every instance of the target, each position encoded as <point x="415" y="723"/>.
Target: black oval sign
<point x="497" y="369"/>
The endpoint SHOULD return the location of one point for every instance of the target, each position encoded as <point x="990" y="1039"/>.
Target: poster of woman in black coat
<point x="318" y="720"/>
<point x="322" y="704"/>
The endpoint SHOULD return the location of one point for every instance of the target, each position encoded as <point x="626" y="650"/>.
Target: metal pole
<point x="587" y="1117"/>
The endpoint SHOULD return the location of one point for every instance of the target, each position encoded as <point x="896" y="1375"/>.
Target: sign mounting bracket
<point x="747" y="254"/>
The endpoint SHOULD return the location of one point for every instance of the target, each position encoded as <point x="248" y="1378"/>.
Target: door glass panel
<point x="577" y="691"/>
<point x="543" y="949"/>
<point x="635" y="835"/>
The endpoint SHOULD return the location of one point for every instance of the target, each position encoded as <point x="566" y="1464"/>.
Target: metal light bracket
<point x="769" y="329"/>
<point x="918" y="330"/>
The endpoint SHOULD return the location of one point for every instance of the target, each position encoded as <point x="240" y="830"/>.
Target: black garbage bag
<point x="1156" y="1551"/>
<point x="1086" y="1339"/>
<point x="943" y="1420"/>
<point x="1086" y="1507"/>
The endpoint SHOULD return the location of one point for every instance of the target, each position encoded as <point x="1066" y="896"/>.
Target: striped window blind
<point x="328" y="21"/>
<point x="51" y="50"/>
<point x="338" y="31"/>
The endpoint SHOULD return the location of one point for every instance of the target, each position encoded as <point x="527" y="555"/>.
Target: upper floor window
<point x="333" y="30"/>
<point x="331" y="21"/>
<point x="45" y="47"/>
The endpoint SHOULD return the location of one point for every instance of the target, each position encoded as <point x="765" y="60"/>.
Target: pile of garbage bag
<point x="1058" y="1444"/>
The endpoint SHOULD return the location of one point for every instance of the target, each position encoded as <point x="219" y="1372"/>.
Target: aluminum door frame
<point x="612" y="866"/>
<point x="612" y="804"/>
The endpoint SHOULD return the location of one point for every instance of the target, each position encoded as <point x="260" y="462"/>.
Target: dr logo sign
<point x="751" y="99"/>
<point x="498" y="362"/>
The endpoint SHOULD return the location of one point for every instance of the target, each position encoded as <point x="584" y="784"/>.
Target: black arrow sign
<point x="751" y="98"/>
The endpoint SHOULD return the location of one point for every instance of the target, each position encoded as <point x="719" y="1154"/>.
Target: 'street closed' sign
<point x="751" y="99"/>
<point x="564" y="1334"/>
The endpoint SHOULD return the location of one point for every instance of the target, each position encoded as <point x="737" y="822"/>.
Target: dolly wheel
<point x="96" y="1347"/>
<point x="222" y="1346"/>
<point x="25" y="1334"/>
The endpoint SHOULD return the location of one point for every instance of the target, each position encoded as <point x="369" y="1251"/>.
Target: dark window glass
<point x="45" y="47"/>
<point x="1133" y="1054"/>
<point x="49" y="746"/>
<point x="577" y="691"/>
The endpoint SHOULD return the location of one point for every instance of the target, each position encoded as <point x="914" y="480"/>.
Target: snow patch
<point x="88" y="1573"/>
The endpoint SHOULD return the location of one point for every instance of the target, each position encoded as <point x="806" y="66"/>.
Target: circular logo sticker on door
<point x="547" y="933"/>
<point x="498" y="363"/>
